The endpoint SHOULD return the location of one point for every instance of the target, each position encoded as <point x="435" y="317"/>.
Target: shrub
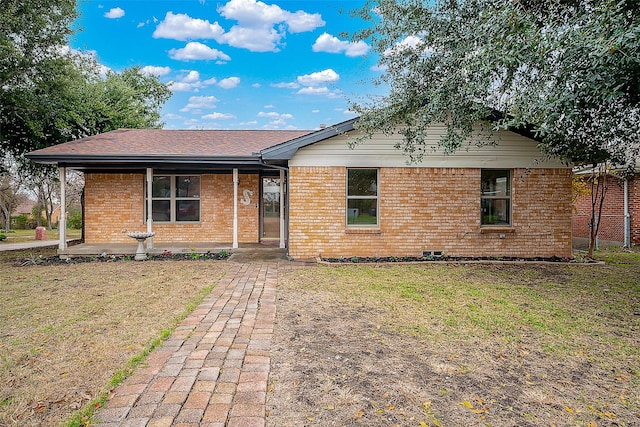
<point x="74" y="221"/>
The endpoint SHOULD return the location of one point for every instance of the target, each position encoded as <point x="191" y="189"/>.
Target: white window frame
<point x="376" y="198"/>
<point x="173" y="200"/>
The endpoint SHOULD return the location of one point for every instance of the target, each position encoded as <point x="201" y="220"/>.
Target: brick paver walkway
<point x="214" y="368"/>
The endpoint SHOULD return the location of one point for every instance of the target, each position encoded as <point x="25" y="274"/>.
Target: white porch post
<point x="149" y="181"/>
<point x="282" y="205"/>
<point x="62" y="224"/>
<point x="627" y="215"/>
<point x="235" y="208"/>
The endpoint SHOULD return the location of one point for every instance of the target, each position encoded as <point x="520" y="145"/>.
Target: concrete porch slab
<point x="123" y="249"/>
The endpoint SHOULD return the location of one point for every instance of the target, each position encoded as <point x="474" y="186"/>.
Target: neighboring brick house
<point x="26" y="207"/>
<point x="505" y="200"/>
<point x="620" y="217"/>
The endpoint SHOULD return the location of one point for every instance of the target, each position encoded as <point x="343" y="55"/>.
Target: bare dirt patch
<point x="458" y="346"/>
<point x="66" y="329"/>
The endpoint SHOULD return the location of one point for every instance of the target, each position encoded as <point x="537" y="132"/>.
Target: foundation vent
<point x="434" y="254"/>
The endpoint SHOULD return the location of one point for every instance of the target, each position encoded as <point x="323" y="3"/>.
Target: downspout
<point x="627" y="216"/>
<point x="286" y="202"/>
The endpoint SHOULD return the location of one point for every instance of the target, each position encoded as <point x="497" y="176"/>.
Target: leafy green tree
<point x="33" y="36"/>
<point x="567" y="70"/>
<point x="128" y="99"/>
<point x="31" y="33"/>
<point x="50" y="94"/>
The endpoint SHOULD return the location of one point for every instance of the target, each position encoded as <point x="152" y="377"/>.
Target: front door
<point x="270" y="212"/>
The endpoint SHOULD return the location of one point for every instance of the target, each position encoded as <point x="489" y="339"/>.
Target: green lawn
<point x="19" y="236"/>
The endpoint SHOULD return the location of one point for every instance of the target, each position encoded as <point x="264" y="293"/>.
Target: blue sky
<point x="237" y="64"/>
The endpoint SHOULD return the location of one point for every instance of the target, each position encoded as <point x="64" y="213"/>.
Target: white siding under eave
<point x="511" y="151"/>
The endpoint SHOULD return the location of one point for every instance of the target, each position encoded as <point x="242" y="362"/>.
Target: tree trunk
<point x="48" y="212"/>
<point x="7" y="218"/>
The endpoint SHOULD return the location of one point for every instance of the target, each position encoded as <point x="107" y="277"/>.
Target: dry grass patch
<point x="66" y="329"/>
<point x="453" y="345"/>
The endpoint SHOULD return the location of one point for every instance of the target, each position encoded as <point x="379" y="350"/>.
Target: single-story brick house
<point x="317" y="197"/>
<point x="620" y="217"/>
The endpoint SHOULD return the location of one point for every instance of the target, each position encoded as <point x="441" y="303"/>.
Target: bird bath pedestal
<point x="140" y="236"/>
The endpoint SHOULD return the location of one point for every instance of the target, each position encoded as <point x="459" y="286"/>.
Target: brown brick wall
<point x="612" y="217"/>
<point x="114" y="202"/>
<point x="435" y="209"/>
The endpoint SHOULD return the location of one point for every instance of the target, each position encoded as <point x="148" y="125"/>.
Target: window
<point x="175" y="198"/>
<point x="362" y="197"/>
<point x="495" y="201"/>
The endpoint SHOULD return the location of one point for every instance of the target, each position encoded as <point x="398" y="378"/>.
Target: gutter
<point x="143" y="158"/>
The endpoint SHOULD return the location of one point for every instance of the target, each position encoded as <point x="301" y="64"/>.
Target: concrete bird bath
<point x="140" y="236"/>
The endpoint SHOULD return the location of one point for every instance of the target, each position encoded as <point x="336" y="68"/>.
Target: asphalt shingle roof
<point x="170" y="143"/>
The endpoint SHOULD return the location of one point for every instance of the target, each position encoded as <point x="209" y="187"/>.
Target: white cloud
<point x="203" y="101"/>
<point x="331" y="44"/>
<point x="219" y="116"/>
<point x="183" y="27"/>
<point x="314" y="91"/>
<point x="200" y="102"/>
<point x="263" y="39"/>
<point x="197" y="51"/>
<point x="319" y="78"/>
<point x="319" y="91"/>
<point x="262" y="27"/>
<point x="269" y="106"/>
<point x="285" y="85"/>
<point x="300" y="21"/>
<point x="408" y="43"/>
<point x="114" y="13"/>
<point x="229" y="83"/>
<point x="172" y="116"/>
<point x="315" y="111"/>
<point x="189" y="80"/>
<point x="276" y="120"/>
<point x="151" y="70"/>
<point x="256" y="85"/>
<point x="275" y="116"/>
<point x="147" y="22"/>
<point x="179" y="87"/>
<point x="253" y="13"/>
<point x="191" y="77"/>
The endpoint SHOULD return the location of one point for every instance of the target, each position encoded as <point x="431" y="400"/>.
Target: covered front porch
<point x="178" y="187"/>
